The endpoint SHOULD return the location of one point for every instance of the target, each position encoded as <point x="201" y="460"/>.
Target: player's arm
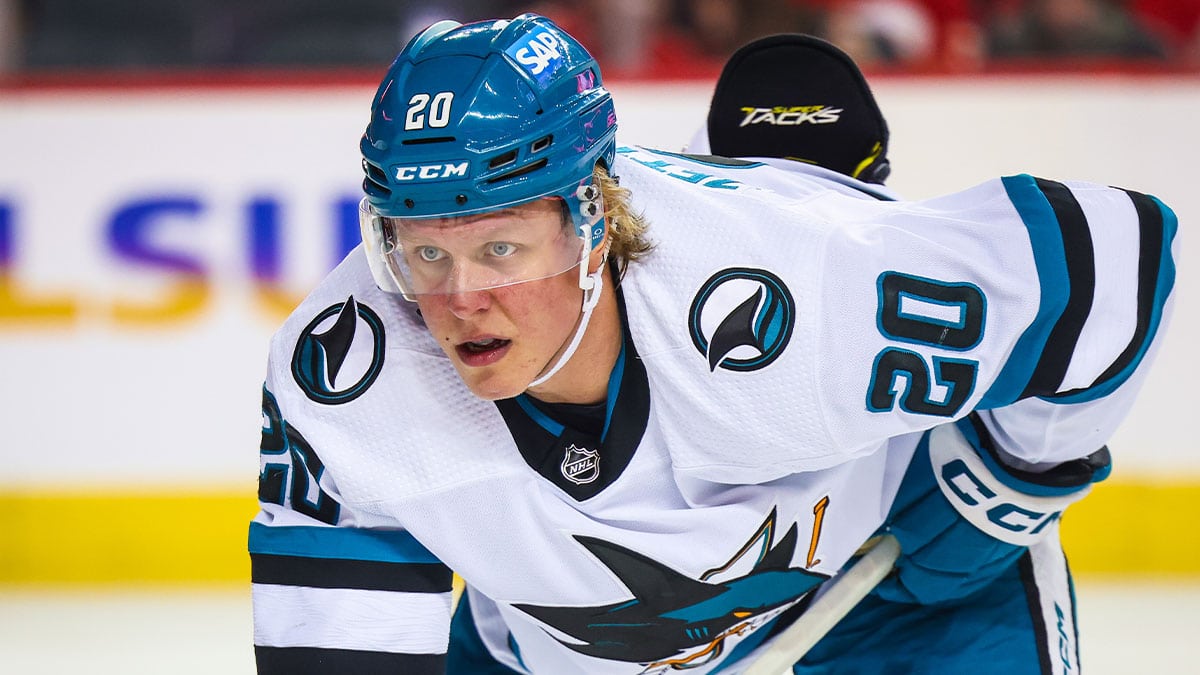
<point x="1014" y="290"/>
<point x="979" y="491"/>
<point x="1104" y="265"/>
<point x="334" y="590"/>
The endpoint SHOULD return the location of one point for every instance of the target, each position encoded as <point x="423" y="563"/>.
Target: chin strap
<point x="592" y="284"/>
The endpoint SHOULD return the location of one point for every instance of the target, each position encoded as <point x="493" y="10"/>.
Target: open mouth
<point x="483" y="346"/>
<point x="482" y="352"/>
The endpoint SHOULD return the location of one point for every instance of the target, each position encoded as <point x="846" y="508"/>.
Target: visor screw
<point x="460" y="200"/>
<point x="409" y="203"/>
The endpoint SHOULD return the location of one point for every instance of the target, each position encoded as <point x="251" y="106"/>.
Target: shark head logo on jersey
<point x="674" y="621"/>
<point x="339" y="353"/>
<point x="741" y="319"/>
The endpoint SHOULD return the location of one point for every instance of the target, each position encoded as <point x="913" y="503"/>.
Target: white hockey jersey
<point x="786" y="343"/>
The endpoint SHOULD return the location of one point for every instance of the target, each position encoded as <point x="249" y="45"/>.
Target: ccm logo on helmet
<point x="432" y="172"/>
<point x="536" y="51"/>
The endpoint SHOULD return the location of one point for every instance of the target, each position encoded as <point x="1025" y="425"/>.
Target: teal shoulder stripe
<point x="1164" y="283"/>
<point x="1045" y="237"/>
<point x="341" y="543"/>
<point x="614" y="386"/>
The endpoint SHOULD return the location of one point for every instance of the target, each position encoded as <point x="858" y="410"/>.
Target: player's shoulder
<point x="760" y="176"/>
<point x="348" y="346"/>
<point x="356" y="373"/>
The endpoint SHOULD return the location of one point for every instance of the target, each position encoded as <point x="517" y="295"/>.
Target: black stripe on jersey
<point x="1080" y="258"/>
<point x="366" y="575"/>
<point x="1034" y="601"/>
<point x="301" y="660"/>
<point x="1150" y="259"/>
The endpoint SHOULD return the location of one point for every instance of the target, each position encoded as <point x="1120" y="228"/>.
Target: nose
<point x="463" y="304"/>
<point x="463" y="294"/>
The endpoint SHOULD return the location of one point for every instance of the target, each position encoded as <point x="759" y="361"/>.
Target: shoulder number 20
<point x="933" y="313"/>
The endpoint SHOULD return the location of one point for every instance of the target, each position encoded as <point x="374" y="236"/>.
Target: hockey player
<point x="645" y="421"/>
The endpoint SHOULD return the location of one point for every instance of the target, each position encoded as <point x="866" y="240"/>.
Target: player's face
<point x="500" y="339"/>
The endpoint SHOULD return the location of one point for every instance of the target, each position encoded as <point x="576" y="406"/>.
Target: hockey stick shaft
<point x="823" y="614"/>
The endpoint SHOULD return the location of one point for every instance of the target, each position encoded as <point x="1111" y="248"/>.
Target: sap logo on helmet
<point x="537" y="51"/>
<point x="432" y="172"/>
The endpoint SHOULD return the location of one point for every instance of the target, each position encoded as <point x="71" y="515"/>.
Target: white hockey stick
<point x="843" y="594"/>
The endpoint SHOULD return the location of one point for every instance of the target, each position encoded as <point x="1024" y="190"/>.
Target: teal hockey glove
<point x="962" y="517"/>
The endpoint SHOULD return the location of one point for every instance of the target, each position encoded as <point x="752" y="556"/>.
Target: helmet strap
<point x="592" y="284"/>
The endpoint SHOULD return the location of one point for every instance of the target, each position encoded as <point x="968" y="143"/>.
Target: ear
<point x="597" y="259"/>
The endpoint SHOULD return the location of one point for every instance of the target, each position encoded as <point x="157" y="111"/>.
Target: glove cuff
<point x="1013" y="506"/>
<point x="1062" y="479"/>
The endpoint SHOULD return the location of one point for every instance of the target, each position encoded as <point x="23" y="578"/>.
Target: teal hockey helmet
<point x="483" y="116"/>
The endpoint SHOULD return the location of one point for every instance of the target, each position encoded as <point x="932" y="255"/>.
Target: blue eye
<point x="430" y="253"/>
<point x="502" y="249"/>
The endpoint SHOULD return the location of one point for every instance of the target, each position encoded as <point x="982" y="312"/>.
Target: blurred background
<point x="175" y="174"/>
<point x="654" y="38"/>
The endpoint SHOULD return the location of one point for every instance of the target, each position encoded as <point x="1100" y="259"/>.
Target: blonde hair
<point x="626" y="229"/>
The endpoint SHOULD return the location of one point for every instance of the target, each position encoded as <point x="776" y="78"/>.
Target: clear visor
<point x="440" y="256"/>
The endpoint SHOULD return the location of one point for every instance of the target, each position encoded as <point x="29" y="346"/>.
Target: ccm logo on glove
<point x="1001" y="506"/>
<point x="972" y="492"/>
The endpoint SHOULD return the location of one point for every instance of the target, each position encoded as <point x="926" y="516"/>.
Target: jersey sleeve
<point x="336" y="589"/>
<point x="1105" y="270"/>
<point x="1023" y="293"/>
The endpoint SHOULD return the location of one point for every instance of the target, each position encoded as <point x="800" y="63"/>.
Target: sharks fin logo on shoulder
<point x="742" y="319"/>
<point x="326" y="363"/>
<point x="676" y="622"/>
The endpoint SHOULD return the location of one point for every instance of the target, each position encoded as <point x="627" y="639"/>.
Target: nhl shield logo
<point x="580" y="465"/>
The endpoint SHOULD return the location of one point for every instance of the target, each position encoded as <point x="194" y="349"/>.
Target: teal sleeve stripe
<point x="1045" y="238"/>
<point x="340" y="543"/>
<point x="1164" y="283"/>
